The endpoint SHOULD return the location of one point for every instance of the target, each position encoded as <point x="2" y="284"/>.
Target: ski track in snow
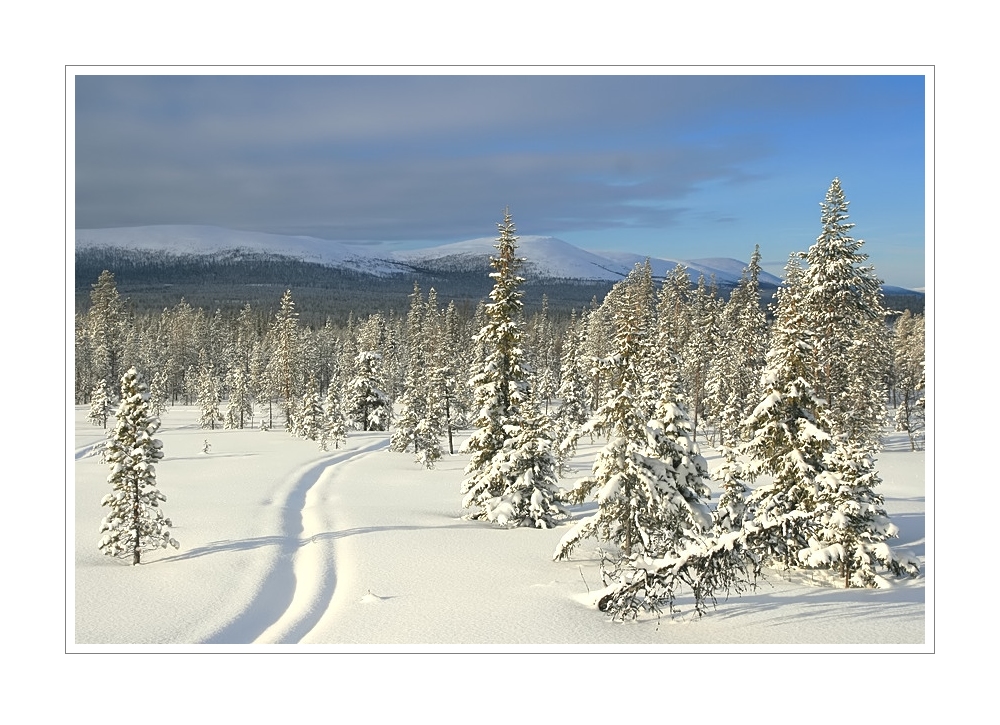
<point x="297" y="591"/>
<point x="84" y="451"/>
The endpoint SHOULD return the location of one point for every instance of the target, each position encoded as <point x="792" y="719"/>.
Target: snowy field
<point x="362" y="550"/>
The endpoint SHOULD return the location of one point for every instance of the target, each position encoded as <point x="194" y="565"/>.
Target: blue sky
<point x="682" y="166"/>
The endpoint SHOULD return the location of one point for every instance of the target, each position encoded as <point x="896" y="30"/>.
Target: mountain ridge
<point x="547" y="257"/>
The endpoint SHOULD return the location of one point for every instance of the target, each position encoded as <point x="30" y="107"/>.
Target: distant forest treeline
<point x="154" y="280"/>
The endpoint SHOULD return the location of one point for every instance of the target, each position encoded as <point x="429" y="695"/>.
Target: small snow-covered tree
<point x="208" y="396"/>
<point x="100" y="405"/>
<point x="909" y="374"/>
<point x="368" y="407"/>
<point x="135" y="522"/>
<point x="852" y="526"/>
<point x="543" y="359"/>
<point x="574" y="409"/>
<point x="525" y="469"/>
<point x="310" y="423"/>
<point x="240" y="411"/>
<point x="732" y="504"/>
<point x="734" y="379"/>
<point x="335" y="427"/>
<point x="158" y="394"/>
<point x="456" y="361"/>
<point x="700" y="351"/>
<point x="649" y="480"/>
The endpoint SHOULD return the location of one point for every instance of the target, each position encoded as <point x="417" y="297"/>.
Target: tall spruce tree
<point x="135" y="522"/>
<point x="820" y="506"/>
<point x="417" y="425"/>
<point x="283" y="364"/>
<point x="511" y="478"/>
<point x="843" y="303"/>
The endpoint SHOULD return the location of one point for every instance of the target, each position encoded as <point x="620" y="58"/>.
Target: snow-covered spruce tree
<point x="732" y="504"/>
<point x="649" y="480"/>
<point x="673" y="322"/>
<point x="455" y="362"/>
<point x="418" y="424"/>
<point x="430" y="428"/>
<point x="700" y="351"/>
<point x="335" y="427"/>
<point x="180" y="330"/>
<point x="843" y="304"/>
<point x="208" y="397"/>
<point x="134" y="522"/>
<point x="368" y="407"/>
<point x="240" y="354"/>
<point x="598" y="346"/>
<point x="734" y="380"/>
<point x="310" y="423"/>
<point x="240" y="411"/>
<point x="511" y="478"/>
<point x="852" y="526"/>
<point x="108" y="326"/>
<point x="821" y="507"/>
<point x="83" y="364"/>
<point x="717" y="556"/>
<point x="543" y="359"/>
<point x="100" y="405"/>
<point x="158" y="393"/>
<point x="909" y="374"/>
<point x="526" y="467"/>
<point x="283" y="364"/>
<point x="574" y="409"/>
<point x="821" y="454"/>
<point x="788" y="432"/>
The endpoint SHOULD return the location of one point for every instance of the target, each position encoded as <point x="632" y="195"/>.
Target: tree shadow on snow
<point x="288" y="543"/>
<point x="816" y="606"/>
<point x="203" y="456"/>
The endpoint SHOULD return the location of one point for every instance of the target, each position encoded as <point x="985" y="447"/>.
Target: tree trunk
<point x="447" y="415"/>
<point x="136" y="551"/>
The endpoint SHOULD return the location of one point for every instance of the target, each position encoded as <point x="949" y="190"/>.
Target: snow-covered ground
<point x="361" y="549"/>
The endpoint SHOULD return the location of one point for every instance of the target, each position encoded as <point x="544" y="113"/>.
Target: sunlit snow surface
<point x="361" y="549"/>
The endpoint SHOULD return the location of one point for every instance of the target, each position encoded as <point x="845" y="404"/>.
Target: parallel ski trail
<point x="298" y="590"/>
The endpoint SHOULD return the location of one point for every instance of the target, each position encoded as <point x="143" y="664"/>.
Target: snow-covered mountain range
<point x="547" y="257"/>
